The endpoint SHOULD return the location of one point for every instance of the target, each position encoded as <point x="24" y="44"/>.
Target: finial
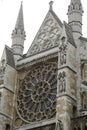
<point x="51" y="3"/>
<point x="21" y="2"/>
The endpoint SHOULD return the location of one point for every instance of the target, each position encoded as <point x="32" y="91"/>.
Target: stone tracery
<point x="36" y="98"/>
<point x="47" y="36"/>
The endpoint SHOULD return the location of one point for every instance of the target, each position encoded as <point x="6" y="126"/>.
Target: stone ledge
<point x="36" y="125"/>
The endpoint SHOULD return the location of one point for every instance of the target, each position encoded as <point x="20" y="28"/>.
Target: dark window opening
<point x="7" y="127"/>
<point x="85" y="106"/>
<point x="86" y="127"/>
<point x="74" y="129"/>
<point x="74" y="110"/>
<point x="79" y="128"/>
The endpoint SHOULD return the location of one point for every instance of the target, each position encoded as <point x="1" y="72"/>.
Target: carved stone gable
<point x="48" y="34"/>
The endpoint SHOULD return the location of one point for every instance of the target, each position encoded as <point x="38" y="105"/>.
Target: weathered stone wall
<point x="71" y="57"/>
<point x="64" y="111"/>
<point x="85" y="72"/>
<point x="7" y="97"/>
<point x="4" y="120"/>
<point x="10" y="78"/>
<point x="83" y="49"/>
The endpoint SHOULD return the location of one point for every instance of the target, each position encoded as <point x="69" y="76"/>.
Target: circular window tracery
<point x="36" y="98"/>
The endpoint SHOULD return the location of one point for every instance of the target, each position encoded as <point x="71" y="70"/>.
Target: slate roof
<point x="83" y="39"/>
<point x="69" y="34"/>
<point x="9" y="57"/>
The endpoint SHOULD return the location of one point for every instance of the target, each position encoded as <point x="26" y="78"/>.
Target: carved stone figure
<point x="63" y="48"/>
<point x="62" y="82"/>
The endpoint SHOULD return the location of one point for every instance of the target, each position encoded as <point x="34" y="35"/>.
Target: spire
<point x="75" y="5"/>
<point x="18" y="34"/>
<point x="75" y="12"/>
<point x="20" y="20"/>
<point x="75" y="1"/>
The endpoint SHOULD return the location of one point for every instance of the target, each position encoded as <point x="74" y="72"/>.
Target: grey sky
<point x="34" y="14"/>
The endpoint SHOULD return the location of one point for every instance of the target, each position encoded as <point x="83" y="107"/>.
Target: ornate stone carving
<point x="18" y="121"/>
<point x="54" y="33"/>
<point x="84" y="100"/>
<point x="47" y="44"/>
<point x="36" y="98"/>
<point x="47" y="36"/>
<point x="49" y="23"/>
<point x="63" y="49"/>
<point x="42" y="37"/>
<point x="62" y="82"/>
<point x="35" y="49"/>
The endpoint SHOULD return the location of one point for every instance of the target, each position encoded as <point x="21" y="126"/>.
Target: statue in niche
<point x="63" y="52"/>
<point x="62" y="82"/>
<point x="83" y="100"/>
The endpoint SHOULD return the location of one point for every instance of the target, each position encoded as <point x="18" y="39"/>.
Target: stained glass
<point x="36" y="98"/>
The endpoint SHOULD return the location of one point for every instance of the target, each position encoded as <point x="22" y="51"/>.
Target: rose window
<point x="36" y="98"/>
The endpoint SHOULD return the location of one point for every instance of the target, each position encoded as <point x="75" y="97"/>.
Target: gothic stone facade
<point x="46" y="89"/>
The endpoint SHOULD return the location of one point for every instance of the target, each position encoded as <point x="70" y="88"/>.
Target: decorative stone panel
<point x="36" y="96"/>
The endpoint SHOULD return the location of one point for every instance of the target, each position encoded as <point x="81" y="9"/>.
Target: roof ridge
<point x="56" y="17"/>
<point x="9" y="56"/>
<point x="69" y="34"/>
<point x="9" y="48"/>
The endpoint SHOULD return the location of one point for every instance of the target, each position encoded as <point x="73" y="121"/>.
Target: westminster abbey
<point x="46" y="88"/>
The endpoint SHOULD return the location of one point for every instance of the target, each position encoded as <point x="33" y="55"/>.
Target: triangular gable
<point x="48" y="34"/>
<point x="8" y="57"/>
